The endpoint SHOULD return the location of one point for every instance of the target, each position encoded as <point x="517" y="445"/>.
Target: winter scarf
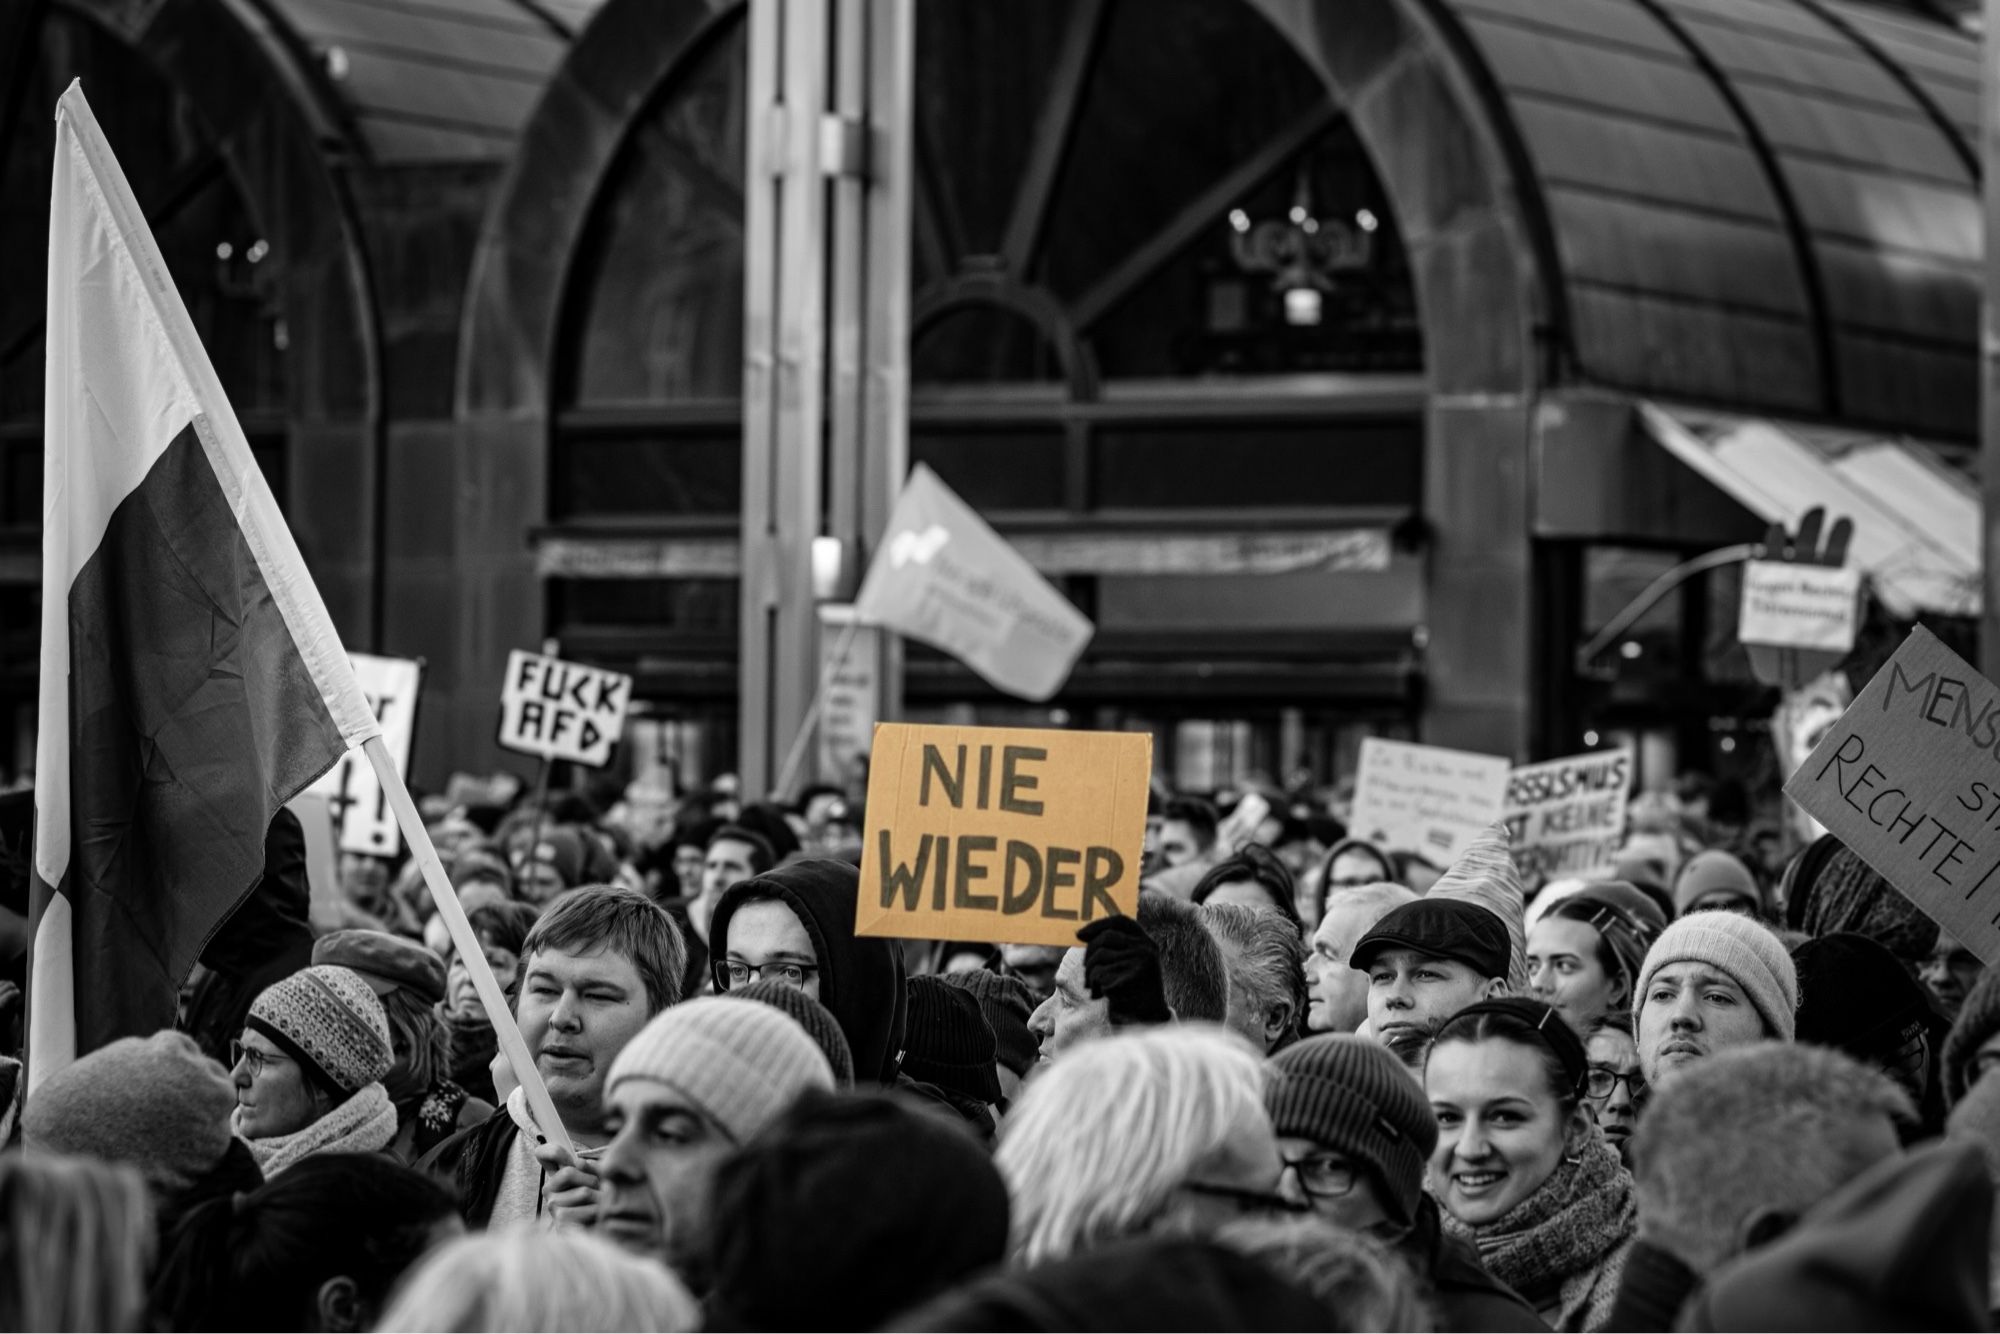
<point x="365" y="1123"/>
<point x="1573" y="1232"/>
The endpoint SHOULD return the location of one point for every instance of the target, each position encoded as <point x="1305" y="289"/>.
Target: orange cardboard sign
<point x="1007" y="835"/>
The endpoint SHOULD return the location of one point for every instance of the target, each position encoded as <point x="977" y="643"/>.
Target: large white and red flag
<point x="191" y="679"/>
<point x="944" y="576"/>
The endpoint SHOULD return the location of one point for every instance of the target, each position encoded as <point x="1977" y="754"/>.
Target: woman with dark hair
<point x="316" y="1249"/>
<point x="1585" y="953"/>
<point x="1350" y="864"/>
<point x="1255" y="878"/>
<point x="1519" y="1168"/>
<point x="1615" y="1090"/>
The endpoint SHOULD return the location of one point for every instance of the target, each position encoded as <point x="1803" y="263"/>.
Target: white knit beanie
<point x="1744" y="949"/>
<point x="740" y="1061"/>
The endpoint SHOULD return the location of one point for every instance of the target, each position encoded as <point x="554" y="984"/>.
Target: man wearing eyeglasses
<point x="1354" y="1132"/>
<point x="795" y="926"/>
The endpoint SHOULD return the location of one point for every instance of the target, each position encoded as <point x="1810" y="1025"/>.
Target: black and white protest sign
<point x="562" y="710"/>
<point x="353" y="795"/>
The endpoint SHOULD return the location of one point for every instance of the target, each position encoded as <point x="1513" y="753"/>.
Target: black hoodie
<point x="860" y="979"/>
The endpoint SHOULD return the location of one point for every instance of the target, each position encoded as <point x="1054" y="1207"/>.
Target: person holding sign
<point x="795" y="926"/>
<point x="1129" y="974"/>
<point x="600" y="963"/>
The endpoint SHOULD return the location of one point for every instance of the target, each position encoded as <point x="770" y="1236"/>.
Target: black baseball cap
<point x="1443" y="929"/>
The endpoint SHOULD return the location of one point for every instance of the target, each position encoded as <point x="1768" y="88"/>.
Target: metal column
<point x="826" y="331"/>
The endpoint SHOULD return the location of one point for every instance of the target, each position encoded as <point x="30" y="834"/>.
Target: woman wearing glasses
<point x="1354" y="1132"/>
<point x="1520" y="1169"/>
<point x="308" y="1070"/>
<point x="1585" y="952"/>
<point x="1615" y="1090"/>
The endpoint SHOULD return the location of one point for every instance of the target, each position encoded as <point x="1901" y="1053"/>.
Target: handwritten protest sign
<point x="853" y="685"/>
<point x="351" y="791"/>
<point x="1007" y="835"/>
<point x="1425" y="798"/>
<point x="1909" y="778"/>
<point x="1567" y="817"/>
<point x="1790" y="605"/>
<point x="562" y="710"/>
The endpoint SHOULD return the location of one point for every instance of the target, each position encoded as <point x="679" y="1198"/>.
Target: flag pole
<point x="466" y="943"/>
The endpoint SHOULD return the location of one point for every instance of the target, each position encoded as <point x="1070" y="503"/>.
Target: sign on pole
<point x="1426" y="799"/>
<point x="1909" y="778"/>
<point x="353" y="796"/>
<point x="562" y="710"/>
<point x="1789" y="605"/>
<point x="1567" y="817"/>
<point x="847" y="713"/>
<point x="1006" y="835"/>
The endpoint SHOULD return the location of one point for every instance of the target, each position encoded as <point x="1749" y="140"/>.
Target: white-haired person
<point x="520" y="1279"/>
<point x="1153" y="1132"/>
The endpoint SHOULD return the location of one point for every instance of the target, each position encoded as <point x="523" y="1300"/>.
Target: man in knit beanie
<point x="698" y="1082"/>
<point x="1355" y="1132"/>
<point x="1712" y="981"/>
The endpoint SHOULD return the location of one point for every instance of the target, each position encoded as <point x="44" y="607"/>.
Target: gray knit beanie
<point x="739" y="1061"/>
<point x="157" y="1103"/>
<point x="1744" y="949"/>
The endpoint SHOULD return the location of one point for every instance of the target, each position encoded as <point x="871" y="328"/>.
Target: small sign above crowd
<point x="1566" y="817"/>
<point x="562" y="710"/>
<point x="1425" y="798"/>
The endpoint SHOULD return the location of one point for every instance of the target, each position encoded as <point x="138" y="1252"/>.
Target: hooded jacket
<point x="1902" y="1246"/>
<point x="860" y="979"/>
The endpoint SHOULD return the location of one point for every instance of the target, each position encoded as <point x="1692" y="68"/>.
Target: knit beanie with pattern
<point x="157" y="1103"/>
<point x="948" y="1042"/>
<point x="1746" y="950"/>
<point x="1355" y="1097"/>
<point x="741" y="1062"/>
<point x="328" y="1020"/>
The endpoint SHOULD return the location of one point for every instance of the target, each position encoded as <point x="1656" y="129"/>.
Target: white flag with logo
<point x="942" y="575"/>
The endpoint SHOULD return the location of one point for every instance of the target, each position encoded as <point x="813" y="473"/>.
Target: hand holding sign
<point x="1122" y="965"/>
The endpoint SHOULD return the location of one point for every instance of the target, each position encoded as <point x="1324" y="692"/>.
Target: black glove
<point x="1122" y="965"/>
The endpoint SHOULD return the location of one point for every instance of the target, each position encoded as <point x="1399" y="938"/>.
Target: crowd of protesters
<point x="1316" y="1083"/>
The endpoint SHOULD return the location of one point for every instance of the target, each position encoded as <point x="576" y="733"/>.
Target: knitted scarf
<point x="365" y="1123"/>
<point x="1572" y="1233"/>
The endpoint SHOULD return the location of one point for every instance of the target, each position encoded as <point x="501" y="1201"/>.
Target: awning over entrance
<point x="1915" y="512"/>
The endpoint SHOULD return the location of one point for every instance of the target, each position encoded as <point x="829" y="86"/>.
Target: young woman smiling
<point x="1519" y="1168"/>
